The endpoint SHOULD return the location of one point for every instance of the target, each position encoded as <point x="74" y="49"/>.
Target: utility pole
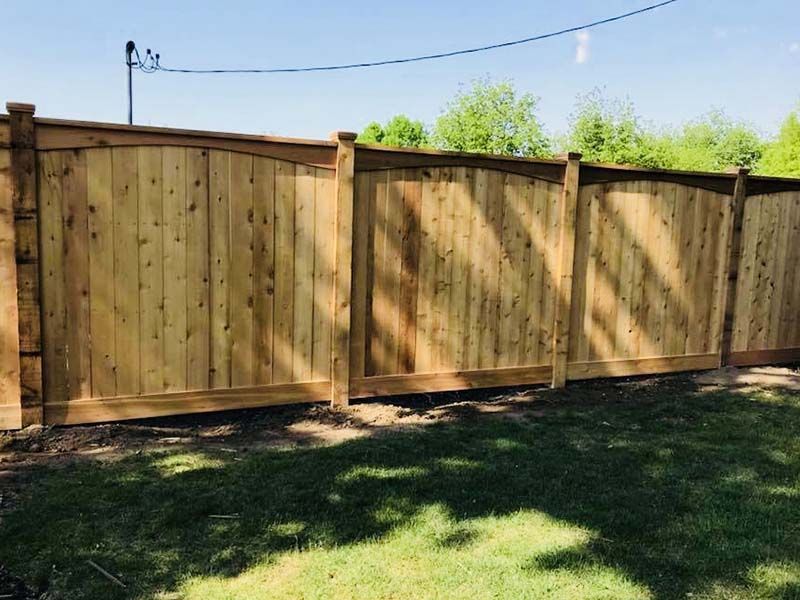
<point x="130" y="47"/>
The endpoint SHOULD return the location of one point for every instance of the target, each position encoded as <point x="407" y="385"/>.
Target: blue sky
<point x="674" y="64"/>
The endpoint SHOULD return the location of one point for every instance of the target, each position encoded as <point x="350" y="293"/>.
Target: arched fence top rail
<point x="54" y="134"/>
<point x="375" y="158"/>
<point x="60" y="134"/>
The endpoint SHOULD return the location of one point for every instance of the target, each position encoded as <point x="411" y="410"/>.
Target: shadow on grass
<point x="684" y="492"/>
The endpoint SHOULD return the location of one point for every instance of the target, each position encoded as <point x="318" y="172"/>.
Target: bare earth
<point x="312" y="424"/>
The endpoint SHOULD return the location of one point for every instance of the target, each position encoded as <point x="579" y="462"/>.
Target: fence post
<point x="21" y="363"/>
<point x="732" y="264"/>
<point x="564" y="267"/>
<point x="342" y="268"/>
<point x="26" y="225"/>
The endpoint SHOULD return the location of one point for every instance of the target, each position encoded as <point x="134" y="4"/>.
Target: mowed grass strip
<point x="655" y="493"/>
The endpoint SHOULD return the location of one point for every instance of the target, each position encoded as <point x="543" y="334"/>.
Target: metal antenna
<point x="130" y="48"/>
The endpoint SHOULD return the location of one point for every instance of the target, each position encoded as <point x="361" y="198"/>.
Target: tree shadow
<point x="682" y="491"/>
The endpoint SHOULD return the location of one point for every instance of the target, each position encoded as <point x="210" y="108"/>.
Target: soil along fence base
<point x="148" y="271"/>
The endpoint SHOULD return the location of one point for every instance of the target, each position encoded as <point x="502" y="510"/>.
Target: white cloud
<point x="794" y="47"/>
<point x="582" y="51"/>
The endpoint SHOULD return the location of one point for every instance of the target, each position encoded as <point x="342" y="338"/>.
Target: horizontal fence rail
<point x="148" y="271"/>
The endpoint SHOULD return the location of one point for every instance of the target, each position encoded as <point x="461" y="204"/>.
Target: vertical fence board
<point x="459" y="280"/>
<point x="284" y="272"/>
<point x="241" y="270"/>
<point x="52" y="266"/>
<point x="303" y="305"/>
<point x="76" y="263"/>
<point x="175" y="268"/>
<point x="151" y="270"/>
<point x="362" y="225"/>
<point x="263" y="265"/>
<point x="126" y="268"/>
<point x="324" y="216"/>
<point x="443" y="268"/>
<point x="220" y="270"/>
<point x="550" y="250"/>
<point x="380" y="320"/>
<point x="480" y="240"/>
<point x="429" y="220"/>
<point x="410" y="237"/>
<point x="490" y="311"/>
<point x="101" y="272"/>
<point x="198" y="302"/>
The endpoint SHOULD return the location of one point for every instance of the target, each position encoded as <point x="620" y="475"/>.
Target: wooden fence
<point x="150" y="271"/>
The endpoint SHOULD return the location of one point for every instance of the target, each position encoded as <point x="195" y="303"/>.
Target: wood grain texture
<point x="198" y="301"/>
<point x="263" y="266"/>
<point x="649" y="269"/>
<point x="54" y="342"/>
<point x="10" y="390"/>
<point x="240" y="292"/>
<point x="174" y="274"/>
<point x="125" y="166"/>
<point x="100" y="190"/>
<point x="175" y="267"/>
<point x="76" y="268"/>
<point x="284" y="272"/>
<point x="342" y="271"/>
<point x="564" y="272"/>
<point x="98" y="410"/>
<point x="220" y="268"/>
<point x="151" y="270"/>
<point x="767" y="294"/>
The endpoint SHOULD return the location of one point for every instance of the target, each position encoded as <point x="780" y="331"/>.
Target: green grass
<point x="647" y="494"/>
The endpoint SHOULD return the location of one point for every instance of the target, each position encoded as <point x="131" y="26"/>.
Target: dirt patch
<point x="752" y="378"/>
<point x="318" y="424"/>
<point x="313" y="424"/>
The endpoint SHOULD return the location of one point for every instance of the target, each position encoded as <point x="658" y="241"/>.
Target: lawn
<point x="638" y="492"/>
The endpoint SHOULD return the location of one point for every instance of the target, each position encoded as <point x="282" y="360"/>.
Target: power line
<point x="151" y="64"/>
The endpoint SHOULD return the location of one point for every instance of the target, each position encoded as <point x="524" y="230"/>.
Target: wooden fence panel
<point x="766" y="324"/>
<point x="184" y="271"/>
<point x="453" y="270"/>
<point x="161" y="266"/>
<point x="649" y="273"/>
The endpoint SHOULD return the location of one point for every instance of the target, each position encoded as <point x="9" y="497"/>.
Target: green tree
<point x="491" y="118"/>
<point x="608" y="131"/>
<point x="714" y="142"/>
<point x="782" y="155"/>
<point x="400" y="132"/>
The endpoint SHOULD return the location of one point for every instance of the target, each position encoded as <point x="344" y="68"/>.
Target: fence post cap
<point x="20" y="107"/>
<point x="570" y="156"/>
<point x="739" y="170"/>
<point x="343" y="136"/>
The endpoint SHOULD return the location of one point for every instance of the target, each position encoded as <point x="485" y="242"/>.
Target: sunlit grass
<point x="654" y="492"/>
<point x="434" y="556"/>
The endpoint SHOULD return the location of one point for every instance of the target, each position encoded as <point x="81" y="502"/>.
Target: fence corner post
<point x="20" y="358"/>
<point x="342" y="268"/>
<point x="732" y="264"/>
<point x="564" y="267"/>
